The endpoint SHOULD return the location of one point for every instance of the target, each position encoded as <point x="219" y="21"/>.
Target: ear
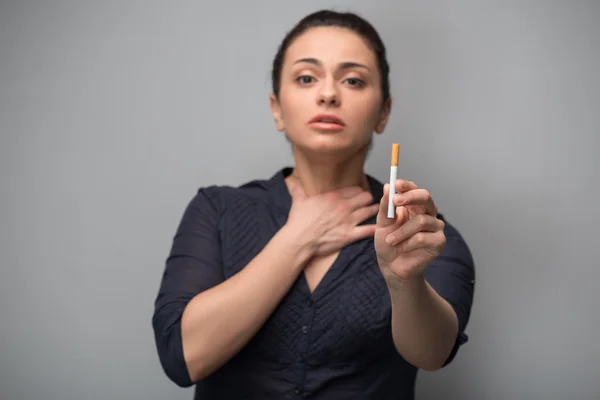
<point x="384" y="116"/>
<point x="276" y="111"/>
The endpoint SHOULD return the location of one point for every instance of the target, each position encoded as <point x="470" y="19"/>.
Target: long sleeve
<point x="452" y="276"/>
<point x="193" y="266"/>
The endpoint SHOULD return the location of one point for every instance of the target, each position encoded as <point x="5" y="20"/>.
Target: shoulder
<point x="222" y="197"/>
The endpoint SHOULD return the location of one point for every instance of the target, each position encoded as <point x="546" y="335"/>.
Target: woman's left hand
<point x="406" y="244"/>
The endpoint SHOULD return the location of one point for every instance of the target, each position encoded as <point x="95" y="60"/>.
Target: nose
<point x="328" y="95"/>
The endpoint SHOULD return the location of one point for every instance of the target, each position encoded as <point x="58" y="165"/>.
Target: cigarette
<point x="393" y="176"/>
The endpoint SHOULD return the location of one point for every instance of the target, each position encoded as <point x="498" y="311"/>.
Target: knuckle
<point x="441" y="242"/>
<point x="333" y="196"/>
<point x="441" y="224"/>
<point x="345" y="236"/>
<point x="400" y="247"/>
<point x="422" y="220"/>
<point x="420" y="239"/>
<point x="362" y="199"/>
<point x="403" y="275"/>
<point x="343" y="207"/>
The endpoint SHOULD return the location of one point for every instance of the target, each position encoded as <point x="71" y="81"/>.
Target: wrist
<point x="410" y="285"/>
<point x="296" y="243"/>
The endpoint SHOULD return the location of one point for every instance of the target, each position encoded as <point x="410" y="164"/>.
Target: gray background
<point x="113" y="113"/>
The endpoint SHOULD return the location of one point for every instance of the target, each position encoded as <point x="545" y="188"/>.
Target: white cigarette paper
<point x="393" y="177"/>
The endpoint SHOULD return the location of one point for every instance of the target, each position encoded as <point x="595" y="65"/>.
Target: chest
<point x="337" y="310"/>
<point x="316" y="269"/>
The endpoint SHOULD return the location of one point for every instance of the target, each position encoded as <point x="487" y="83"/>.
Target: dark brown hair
<point x="346" y="20"/>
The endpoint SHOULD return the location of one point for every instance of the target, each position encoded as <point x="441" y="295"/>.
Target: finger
<point x="402" y="215"/>
<point x="364" y="213"/>
<point x="403" y="185"/>
<point x="430" y="241"/>
<point x="420" y="224"/>
<point x="382" y="218"/>
<point x="360" y="200"/>
<point x="361" y="232"/>
<point x="416" y="197"/>
<point x="349" y="192"/>
<point x="297" y="192"/>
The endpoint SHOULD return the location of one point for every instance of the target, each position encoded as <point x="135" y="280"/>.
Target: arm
<point x="217" y="323"/>
<point x="431" y="310"/>
<point x="429" y="273"/>
<point x="424" y="326"/>
<point x="201" y="320"/>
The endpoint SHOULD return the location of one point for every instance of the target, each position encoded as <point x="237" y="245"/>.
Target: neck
<point x="329" y="173"/>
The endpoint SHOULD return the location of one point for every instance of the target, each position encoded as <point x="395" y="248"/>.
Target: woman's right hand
<point x="327" y="222"/>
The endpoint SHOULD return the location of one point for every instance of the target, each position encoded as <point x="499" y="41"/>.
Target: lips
<point x="327" y="122"/>
<point x="327" y="118"/>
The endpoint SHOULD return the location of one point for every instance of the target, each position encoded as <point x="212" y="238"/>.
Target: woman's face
<point x="330" y="92"/>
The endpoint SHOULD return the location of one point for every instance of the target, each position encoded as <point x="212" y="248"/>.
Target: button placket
<point x="304" y="342"/>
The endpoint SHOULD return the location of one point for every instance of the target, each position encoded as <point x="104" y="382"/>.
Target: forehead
<point x="331" y="45"/>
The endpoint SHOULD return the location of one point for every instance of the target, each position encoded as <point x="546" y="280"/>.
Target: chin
<point x="319" y="142"/>
<point x="330" y="147"/>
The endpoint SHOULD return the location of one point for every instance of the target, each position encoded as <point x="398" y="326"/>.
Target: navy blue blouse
<point x="334" y="343"/>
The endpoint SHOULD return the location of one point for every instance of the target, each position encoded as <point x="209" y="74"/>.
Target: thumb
<point x="297" y="192"/>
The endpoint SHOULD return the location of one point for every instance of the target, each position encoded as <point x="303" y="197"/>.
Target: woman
<point x="299" y="285"/>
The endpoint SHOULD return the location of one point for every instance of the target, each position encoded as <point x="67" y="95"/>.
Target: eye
<point x="355" y="82"/>
<point x="305" y="79"/>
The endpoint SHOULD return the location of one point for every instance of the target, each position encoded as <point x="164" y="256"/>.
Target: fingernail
<point x="390" y="239"/>
<point x="398" y="199"/>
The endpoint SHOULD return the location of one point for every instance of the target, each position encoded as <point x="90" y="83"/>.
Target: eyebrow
<point x="344" y="65"/>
